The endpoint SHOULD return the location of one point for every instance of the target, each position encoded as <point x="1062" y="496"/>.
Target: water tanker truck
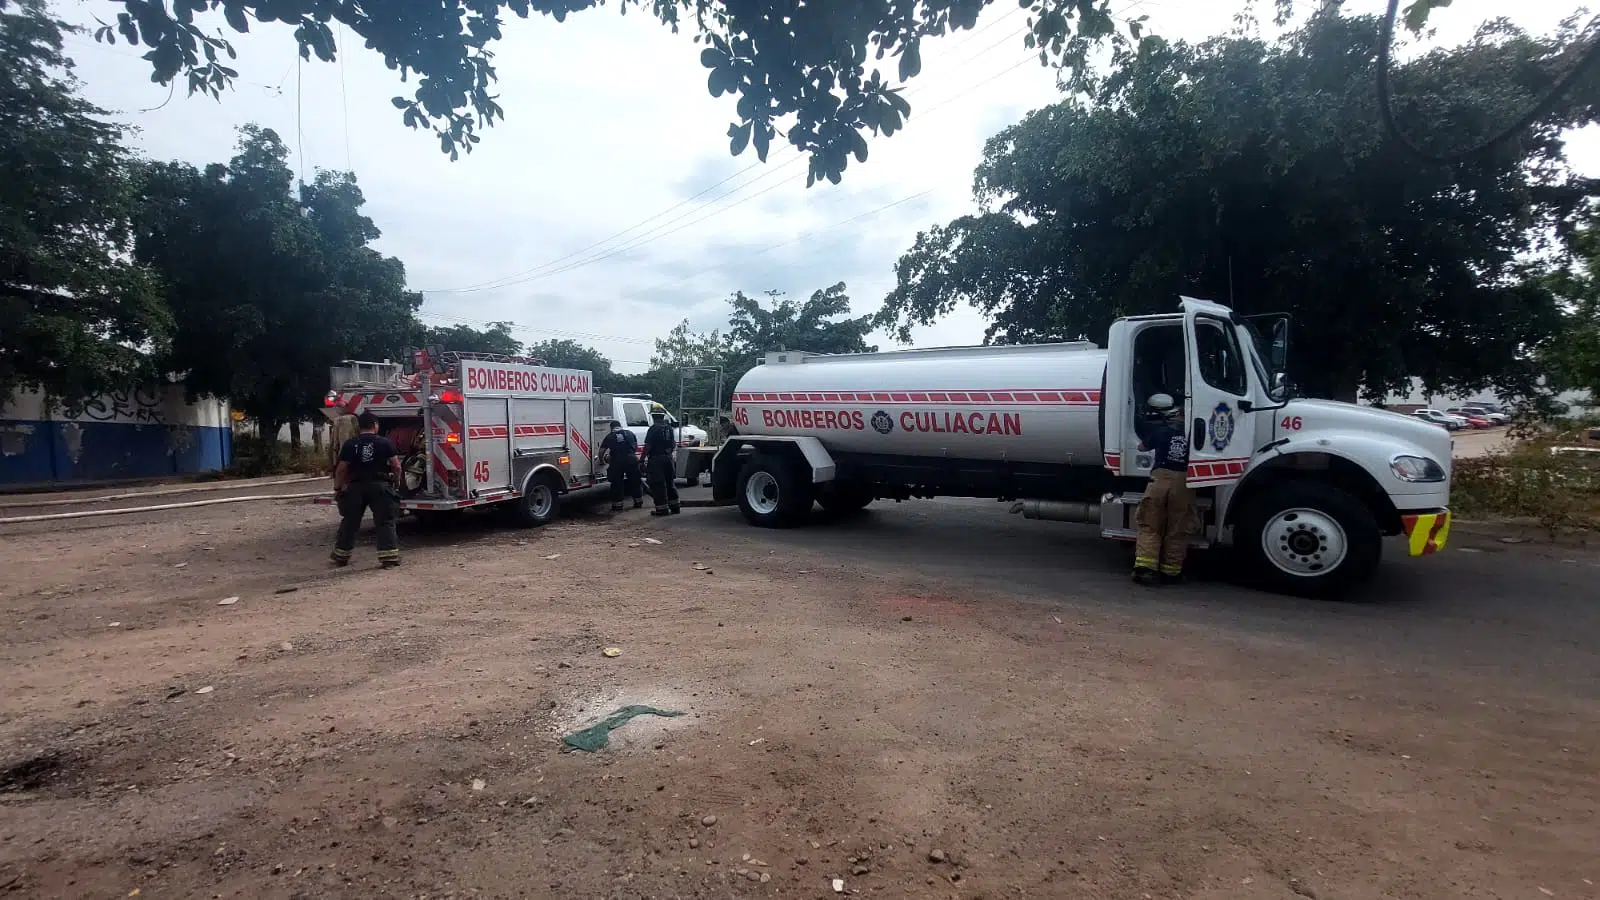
<point x="1306" y="491"/>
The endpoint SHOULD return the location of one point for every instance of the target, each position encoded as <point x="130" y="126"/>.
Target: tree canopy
<point x="496" y="338"/>
<point x="788" y="325"/>
<point x="1573" y="352"/>
<point x="1258" y="172"/>
<point x="268" y="288"/>
<point x="823" y="70"/>
<point x="77" y="315"/>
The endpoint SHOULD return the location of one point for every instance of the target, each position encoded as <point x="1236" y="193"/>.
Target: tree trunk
<point x="294" y="435"/>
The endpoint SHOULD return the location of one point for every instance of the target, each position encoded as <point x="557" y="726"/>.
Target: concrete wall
<point x="142" y="433"/>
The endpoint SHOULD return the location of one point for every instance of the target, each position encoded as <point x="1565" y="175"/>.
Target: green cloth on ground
<point x="596" y="736"/>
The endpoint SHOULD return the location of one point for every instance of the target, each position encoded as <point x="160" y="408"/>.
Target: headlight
<point x="1416" y="468"/>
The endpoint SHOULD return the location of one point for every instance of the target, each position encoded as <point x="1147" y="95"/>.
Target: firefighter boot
<point x="1146" y="576"/>
<point x="616" y="507"/>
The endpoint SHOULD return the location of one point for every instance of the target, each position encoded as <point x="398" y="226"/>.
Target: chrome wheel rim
<point x="1304" y="542"/>
<point x="761" y="492"/>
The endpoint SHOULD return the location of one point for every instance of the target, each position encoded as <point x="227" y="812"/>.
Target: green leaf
<point x="910" y="61"/>
<point x="739" y="136"/>
<point x="234" y="13"/>
<point x="400" y="102"/>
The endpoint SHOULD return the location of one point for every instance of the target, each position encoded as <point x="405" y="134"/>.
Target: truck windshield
<point x="1269" y="336"/>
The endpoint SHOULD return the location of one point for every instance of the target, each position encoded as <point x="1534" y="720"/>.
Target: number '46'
<point x="1291" y="423"/>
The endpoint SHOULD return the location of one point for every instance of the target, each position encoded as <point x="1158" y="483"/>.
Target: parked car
<point x="1493" y="414"/>
<point x="1474" y="415"/>
<point x="1435" y="417"/>
<point x="1458" y="421"/>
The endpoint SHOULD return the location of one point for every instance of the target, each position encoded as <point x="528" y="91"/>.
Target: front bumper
<point x="1426" y="532"/>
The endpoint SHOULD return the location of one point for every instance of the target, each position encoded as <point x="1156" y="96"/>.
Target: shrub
<point x="254" y="458"/>
<point x="1560" y="492"/>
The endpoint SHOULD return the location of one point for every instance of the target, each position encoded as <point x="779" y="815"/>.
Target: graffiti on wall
<point x="140" y="405"/>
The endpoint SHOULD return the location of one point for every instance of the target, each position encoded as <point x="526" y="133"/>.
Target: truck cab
<point x="633" y="411"/>
<point x="1305" y="489"/>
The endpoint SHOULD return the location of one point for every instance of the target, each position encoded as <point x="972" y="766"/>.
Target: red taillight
<point x="449" y="396"/>
<point x="453" y="437"/>
<point x="331" y="400"/>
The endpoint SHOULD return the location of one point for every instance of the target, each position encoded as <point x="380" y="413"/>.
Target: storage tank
<point x="1029" y="403"/>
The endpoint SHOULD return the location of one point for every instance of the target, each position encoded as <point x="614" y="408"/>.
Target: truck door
<point x="1221" y="435"/>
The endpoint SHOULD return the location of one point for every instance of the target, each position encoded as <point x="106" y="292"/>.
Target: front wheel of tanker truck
<point x="774" y="492"/>
<point x="1310" y="539"/>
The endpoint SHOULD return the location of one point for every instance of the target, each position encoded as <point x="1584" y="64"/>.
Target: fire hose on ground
<point x="159" y="491"/>
<point x="90" y="513"/>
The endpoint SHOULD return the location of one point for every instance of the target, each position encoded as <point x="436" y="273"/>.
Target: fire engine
<point x="1305" y="489"/>
<point x="475" y="429"/>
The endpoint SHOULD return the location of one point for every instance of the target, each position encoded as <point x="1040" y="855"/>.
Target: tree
<point x="565" y="354"/>
<point x="788" y="325"/>
<point x="1259" y="172"/>
<point x="267" y="289"/>
<point x="79" y="317"/>
<point x="497" y="338"/>
<point x="1572" y="354"/>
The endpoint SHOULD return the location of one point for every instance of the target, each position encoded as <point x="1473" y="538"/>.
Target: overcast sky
<point x="608" y="127"/>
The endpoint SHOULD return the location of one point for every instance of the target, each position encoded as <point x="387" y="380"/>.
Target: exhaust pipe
<point x="1058" y="510"/>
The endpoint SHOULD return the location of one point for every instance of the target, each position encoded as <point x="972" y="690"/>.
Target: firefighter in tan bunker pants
<point x="1166" y="512"/>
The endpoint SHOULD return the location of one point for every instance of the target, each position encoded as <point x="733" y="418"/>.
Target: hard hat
<point x="1161" y="403"/>
<point x="658" y="413"/>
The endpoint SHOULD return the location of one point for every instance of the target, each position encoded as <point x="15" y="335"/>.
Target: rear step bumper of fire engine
<point x="430" y="505"/>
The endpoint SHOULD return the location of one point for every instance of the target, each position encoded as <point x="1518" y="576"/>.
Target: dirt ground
<point x="363" y="733"/>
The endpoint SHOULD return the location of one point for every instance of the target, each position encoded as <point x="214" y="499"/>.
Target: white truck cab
<point x="1303" y="488"/>
<point x="633" y="411"/>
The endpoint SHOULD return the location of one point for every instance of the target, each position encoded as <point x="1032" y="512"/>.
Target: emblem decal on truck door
<point x="1221" y="427"/>
<point x="883" y="422"/>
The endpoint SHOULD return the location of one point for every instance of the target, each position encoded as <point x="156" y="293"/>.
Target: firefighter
<point x="1167" y="507"/>
<point x="365" y="477"/>
<point x="660" y="448"/>
<point x="620" y="454"/>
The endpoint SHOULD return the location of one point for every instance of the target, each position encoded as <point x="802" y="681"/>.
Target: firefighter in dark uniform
<point x="620" y="452"/>
<point x="365" y="478"/>
<point x="1166" y="511"/>
<point x="660" y="449"/>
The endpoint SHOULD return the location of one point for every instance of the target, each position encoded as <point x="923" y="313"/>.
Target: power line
<point x="556" y="267"/>
<point x="299" y="132"/>
<point x="1539" y="109"/>
<point x="794" y="240"/>
<point x="554" y="332"/>
<point x="344" y="99"/>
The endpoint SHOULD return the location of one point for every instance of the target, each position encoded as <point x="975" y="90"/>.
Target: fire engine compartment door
<point x="1221" y="435"/>
<point x="580" y="440"/>
<point x="488" y="444"/>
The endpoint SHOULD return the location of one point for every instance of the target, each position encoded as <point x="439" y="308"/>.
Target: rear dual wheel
<point x="774" y="492"/>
